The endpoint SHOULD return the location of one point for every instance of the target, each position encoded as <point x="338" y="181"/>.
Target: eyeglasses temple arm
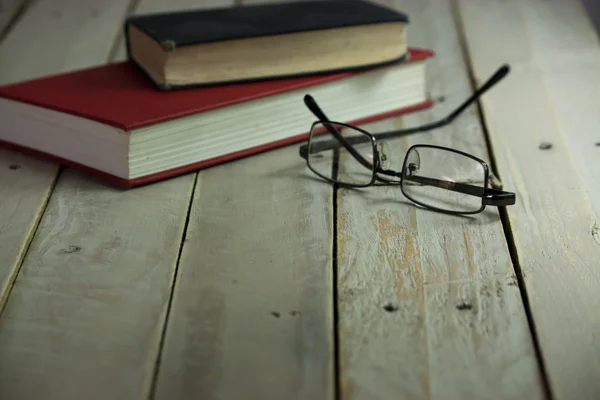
<point x="316" y="110"/>
<point x="494" y="197"/>
<point x="329" y="145"/>
<point x="490" y="197"/>
<point x="498" y="75"/>
<point x="332" y="144"/>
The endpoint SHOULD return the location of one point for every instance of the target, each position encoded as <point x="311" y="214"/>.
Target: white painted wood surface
<point x="550" y="97"/>
<point x="428" y="303"/>
<point x="85" y="316"/>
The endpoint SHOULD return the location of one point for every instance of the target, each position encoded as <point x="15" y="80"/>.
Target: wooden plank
<point x="252" y="307"/>
<point x="50" y="37"/>
<point x="429" y="306"/>
<point x="9" y="11"/>
<point x="552" y="99"/>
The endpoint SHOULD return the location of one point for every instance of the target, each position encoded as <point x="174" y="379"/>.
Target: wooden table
<point x="250" y="281"/>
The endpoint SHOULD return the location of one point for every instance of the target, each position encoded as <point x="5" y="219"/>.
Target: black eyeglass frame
<point x="490" y="196"/>
<point x="312" y="105"/>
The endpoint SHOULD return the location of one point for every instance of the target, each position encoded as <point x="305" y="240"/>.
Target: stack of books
<point x="203" y="87"/>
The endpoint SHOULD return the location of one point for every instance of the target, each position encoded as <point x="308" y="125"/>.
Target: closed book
<point x="111" y="122"/>
<point x="201" y="47"/>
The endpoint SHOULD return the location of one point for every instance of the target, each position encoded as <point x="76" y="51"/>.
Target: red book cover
<point x="121" y="96"/>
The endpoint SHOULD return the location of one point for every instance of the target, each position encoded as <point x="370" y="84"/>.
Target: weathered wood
<point x="550" y="97"/>
<point x="429" y="306"/>
<point x="50" y="37"/>
<point x="25" y="186"/>
<point x="85" y="315"/>
<point x="252" y="308"/>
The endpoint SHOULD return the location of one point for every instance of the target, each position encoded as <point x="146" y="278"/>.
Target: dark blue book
<point x="264" y="41"/>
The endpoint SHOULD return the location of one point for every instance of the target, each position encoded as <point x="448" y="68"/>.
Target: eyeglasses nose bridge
<point x="383" y="154"/>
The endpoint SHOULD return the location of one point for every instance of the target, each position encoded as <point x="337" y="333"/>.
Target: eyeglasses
<point x="435" y="177"/>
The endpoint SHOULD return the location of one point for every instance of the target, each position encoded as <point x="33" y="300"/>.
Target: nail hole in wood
<point x="597" y="144"/>
<point x="464" y="306"/>
<point x="275" y="314"/>
<point x="441" y="99"/>
<point x="71" y="249"/>
<point x="14" y="166"/>
<point x="545" y="146"/>
<point x="389" y="307"/>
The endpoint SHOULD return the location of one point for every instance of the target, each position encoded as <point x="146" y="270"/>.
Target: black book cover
<point x="209" y="25"/>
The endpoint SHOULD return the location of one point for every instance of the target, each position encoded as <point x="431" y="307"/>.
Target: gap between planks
<point x="429" y="306"/>
<point x="549" y="99"/>
<point x="152" y="388"/>
<point x="505" y="220"/>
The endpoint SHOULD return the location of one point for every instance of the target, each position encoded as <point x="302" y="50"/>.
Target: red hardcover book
<point x="112" y="122"/>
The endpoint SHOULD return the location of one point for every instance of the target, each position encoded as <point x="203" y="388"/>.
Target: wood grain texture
<point x="549" y="97"/>
<point x="252" y="308"/>
<point x="85" y="316"/>
<point x="50" y="37"/>
<point x="429" y="304"/>
<point x="25" y="185"/>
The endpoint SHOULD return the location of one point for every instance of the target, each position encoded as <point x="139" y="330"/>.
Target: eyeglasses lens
<point x="329" y="158"/>
<point x="443" y="179"/>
